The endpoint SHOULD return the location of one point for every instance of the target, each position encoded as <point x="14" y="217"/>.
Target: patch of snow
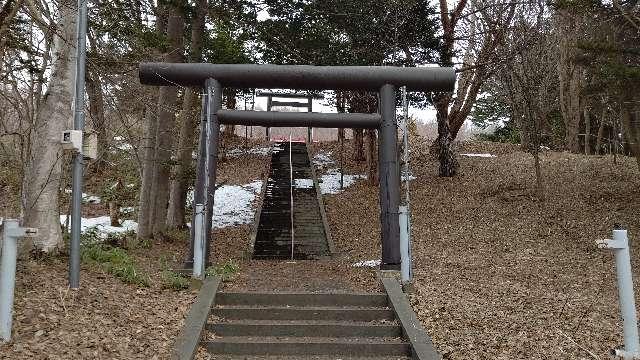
<point x="130" y="185"/>
<point x="124" y="146"/>
<point x="367" y="263"/>
<point x="235" y="152"/>
<point x="323" y="159"/>
<point x="127" y="210"/>
<point x="102" y="225"/>
<point x="86" y="198"/>
<point x="259" y="151"/>
<point x="479" y="155"/>
<point x="403" y="177"/>
<point x="90" y="199"/>
<point x="544" y="148"/>
<point x="303" y="183"/>
<point x="121" y="144"/>
<point x="330" y="182"/>
<point x="233" y="204"/>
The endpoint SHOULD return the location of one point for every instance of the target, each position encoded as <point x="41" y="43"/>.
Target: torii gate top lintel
<point x="300" y="77"/>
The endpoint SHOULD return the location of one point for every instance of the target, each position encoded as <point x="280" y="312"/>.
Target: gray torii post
<point x="204" y="192"/>
<point x="383" y="79"/>
<point x="389" y="180"/>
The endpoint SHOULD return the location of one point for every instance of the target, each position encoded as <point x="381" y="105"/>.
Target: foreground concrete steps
<point x="307" y="346"/>
<point x="306" y="330"/>
<point x="302" y="299"/>
<point x="308" y="357"/>
<point x="305" y="313"/>
<point x="305" y="326"/>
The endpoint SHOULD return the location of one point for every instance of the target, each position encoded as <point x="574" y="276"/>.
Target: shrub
<point x="225" y="271"/>
<point x="175" y="281"/>
<point x="115" y="261"/>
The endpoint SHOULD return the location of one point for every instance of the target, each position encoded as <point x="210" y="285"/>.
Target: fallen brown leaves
<point x="499" y="274"/>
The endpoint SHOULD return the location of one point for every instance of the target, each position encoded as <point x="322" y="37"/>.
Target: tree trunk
<point x="183" y="171"/>
<point x="372" y="157"/>
<point x="569" y="75"/>
<point x="230" y="97"/>
<point x="443" y="145"/>
<point x="44" y="167"/>
<point x="358" y="145"/>
<point x="146" y="204"/>
<point x="166" y="122"/>
<point x="145" y="208"/>
<point x="96" y="111"/>
<point x="187" y="120"/>
<point x="114" y="213"/>
<point x="587" y="131"/>
<point x="601" y="131"/>
<point x="341" y="108"/>
<point x="631" y="131"/>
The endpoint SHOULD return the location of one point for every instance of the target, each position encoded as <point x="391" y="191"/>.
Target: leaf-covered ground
<point x="498" y="274"/>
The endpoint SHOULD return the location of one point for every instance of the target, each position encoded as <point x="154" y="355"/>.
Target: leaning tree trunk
<point x="187" y="121"/>
<point x="44" y="167"/>
<point x="166" y="123"/>
<point x="183" y="172"/>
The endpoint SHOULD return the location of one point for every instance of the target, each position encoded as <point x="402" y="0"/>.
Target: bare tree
<point x="479" y="33"/>
<point x="531" y="81"/>
<point x="187" y="123"/>
<point x="44" y="163"/>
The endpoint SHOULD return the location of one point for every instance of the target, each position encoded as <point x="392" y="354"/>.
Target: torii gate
<point x="383" y="79"/>
<point x="295" y="104"/>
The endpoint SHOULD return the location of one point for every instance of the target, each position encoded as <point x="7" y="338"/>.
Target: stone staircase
<point x="304" y="326"/>
<point x="273" y="239"/>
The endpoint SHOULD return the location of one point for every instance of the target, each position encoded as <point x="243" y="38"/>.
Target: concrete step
<point x="274" y="346"/>
<point x="308" y="357"/>
<point x="334" y="330"/>
<point x="305" y="313"/>
<point x="302" y="299"/>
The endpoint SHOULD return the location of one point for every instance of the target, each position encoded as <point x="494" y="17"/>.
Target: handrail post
<point x="620" y="247"/>
<point x="199" y="242"/>
<point x="11" y="232"/>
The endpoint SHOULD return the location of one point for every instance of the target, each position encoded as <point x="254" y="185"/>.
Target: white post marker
<point x="620" y="247"/>
<point x="199" y="233"/>
<point x="10" y="234"/>
<point x="405" y="248"/>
